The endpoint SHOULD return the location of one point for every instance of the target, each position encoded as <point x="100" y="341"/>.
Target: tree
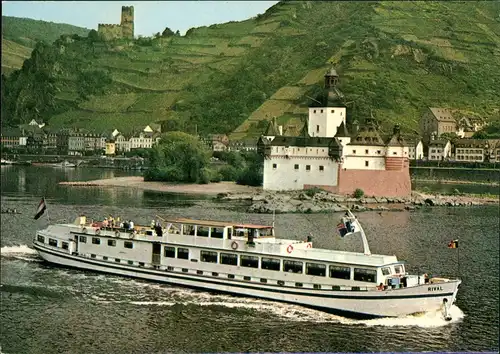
<point x="167" y="32"/>
<point x="179" y="157"/>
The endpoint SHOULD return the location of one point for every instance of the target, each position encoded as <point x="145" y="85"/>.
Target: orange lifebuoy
<point x="234" y="245"/>
<point x="309" y="245"/>
<point x="289" y="249"/>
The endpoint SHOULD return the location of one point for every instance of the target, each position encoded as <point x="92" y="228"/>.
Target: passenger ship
<point x="248" y="260"/>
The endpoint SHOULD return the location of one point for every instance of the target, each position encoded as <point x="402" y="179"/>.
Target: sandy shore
<point x="138" y="182"/>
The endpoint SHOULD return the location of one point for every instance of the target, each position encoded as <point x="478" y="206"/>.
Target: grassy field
<point x="394" y="59"/>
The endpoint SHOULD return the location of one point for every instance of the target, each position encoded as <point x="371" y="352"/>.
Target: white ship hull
<point x="365" y="304"/>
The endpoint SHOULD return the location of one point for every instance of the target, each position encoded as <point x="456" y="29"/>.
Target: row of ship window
<point x="275" y="264"/>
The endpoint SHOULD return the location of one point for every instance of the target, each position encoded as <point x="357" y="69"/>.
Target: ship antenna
<point x="274" y="216"/>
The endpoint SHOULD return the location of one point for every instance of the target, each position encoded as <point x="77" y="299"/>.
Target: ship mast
<point x="361" y="232"/>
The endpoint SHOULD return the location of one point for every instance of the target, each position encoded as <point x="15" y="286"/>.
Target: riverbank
<point x="292" y="201"/>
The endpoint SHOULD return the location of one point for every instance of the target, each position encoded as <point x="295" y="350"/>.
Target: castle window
<point x="378" y="152"/>
<point x="366" y="151"/>
<point x="314" y="111"/>
<point x="296" y="167"/>
<point x="353" y="151"/>
<point x="317" y="128"/>
<point x="308" y="167"/>
<point x="333" y="111"/>
<point x="321" y="168"/>
<point x="394" y="153"/>
<point x="321" y="111"/>
<point x="366" y="163"/>
<point x="274" y="166"/>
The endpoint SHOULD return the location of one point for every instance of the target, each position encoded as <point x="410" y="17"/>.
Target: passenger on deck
<point x="126" y="225"/>
<point x="105" y="223"/>
<point x="380" y="286"/>
<point x="426" y="278"/>
<point x="153" y="224"/>
<point x="130" y="225"/>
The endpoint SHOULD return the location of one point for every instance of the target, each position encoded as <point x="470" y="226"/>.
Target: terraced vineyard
<point x="394" y="58"/>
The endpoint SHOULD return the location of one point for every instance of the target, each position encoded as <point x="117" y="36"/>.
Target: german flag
<point x="453" y="244"/>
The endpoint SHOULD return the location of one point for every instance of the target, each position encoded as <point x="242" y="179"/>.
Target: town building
<point x="416" y="148"/>
<point x="477" y="150"/>
<point x="326" y="156"/>
<point x="439" y="150"/>
<point x="467" y="126"/>
<point x="436" y="121"/>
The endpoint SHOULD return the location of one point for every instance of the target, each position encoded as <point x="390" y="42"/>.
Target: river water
<point x="47" y="309"/>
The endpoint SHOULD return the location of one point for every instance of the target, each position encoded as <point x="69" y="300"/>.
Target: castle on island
<point x="327" y="156"/>
<point x="124" y="30"/>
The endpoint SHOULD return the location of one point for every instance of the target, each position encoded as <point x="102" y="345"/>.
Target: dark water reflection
<point x="46" y="309"/>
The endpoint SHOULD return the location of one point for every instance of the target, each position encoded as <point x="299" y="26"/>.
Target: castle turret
<point x="127" y="22"/>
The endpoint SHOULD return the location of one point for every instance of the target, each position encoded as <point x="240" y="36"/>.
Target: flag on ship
<point x="41" y="209"/>
<point x="453" y="244"/>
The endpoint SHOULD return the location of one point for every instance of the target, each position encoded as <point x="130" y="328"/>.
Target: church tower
<point x="127" y="22"/>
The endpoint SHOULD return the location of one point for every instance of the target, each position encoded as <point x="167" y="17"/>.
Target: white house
<point x="416" y="149"/>
<point x="439" y="150"/>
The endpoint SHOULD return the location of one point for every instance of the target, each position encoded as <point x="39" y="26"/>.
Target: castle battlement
<point x="125" y="29"/>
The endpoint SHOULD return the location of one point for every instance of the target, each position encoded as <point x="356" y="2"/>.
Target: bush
<point x="250" y="176"/>
<point x="311" y="192"/>
<point x="358" y="193"/>
<point x="229" y="173"/>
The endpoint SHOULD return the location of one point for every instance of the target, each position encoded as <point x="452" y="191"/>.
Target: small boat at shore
<point x="6" y="162"/>
<point x="249" y="260"/>
<point x="64" y="164"/>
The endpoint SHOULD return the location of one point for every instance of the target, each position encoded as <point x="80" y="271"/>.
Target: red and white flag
<point x="41" y="209"/>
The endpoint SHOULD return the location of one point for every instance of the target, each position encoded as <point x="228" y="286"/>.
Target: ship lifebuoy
<point x="234" y="245"/>
<point x="84" y="230"/>
<point x="97" y="231"/>
<point x="95" y="224"/>
<point x="289" y="249"/>
<point x="117" y="233"/>
<point x="133" y="234"/>
<point x="309" y="245"/>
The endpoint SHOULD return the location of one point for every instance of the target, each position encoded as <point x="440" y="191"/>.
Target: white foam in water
<point x="19" y="249"/>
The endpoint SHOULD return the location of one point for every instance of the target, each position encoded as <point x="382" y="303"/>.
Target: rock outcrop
<point x="267" y="202"/>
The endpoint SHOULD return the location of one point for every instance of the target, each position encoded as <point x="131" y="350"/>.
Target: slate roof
<point x="438" y="143"/>
<point x="478" y="143"/>
<point x="342" y="131"/>
<point x="302" y="141"/>
<point x="271" y="129"/>
<point x="368" y="135"/>
<point x="442" y="114"/>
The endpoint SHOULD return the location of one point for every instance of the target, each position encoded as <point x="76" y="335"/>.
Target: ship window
<point x="169" y="252"/>
<point x="183" y="253"/>
<point x="65" y="245"/>
<point x="281" y="283"/>
<point x="363" y="274"/>
<point x="300" y="285"/>
<point x="169" y="268"/>
<point x="130" y="262"/>
<point x="96" y="240"/>
<point x="316" y="269"/>
<point x="52" y="242"/>
<point x="128" y="244"/>
<point x="41" y="239"/>
<point x="208" y="256"/>
<point x="202" y="231"/>
<point x="199" y="272"/>
<point x="270" y="263"/>
<point x="104" y="258"/>
<point x="249" y="261"/>
<point x="83" y="239"/>
<point x="386" y="271"/>
<point x="117" y="260"/>
<point x="397" y="269"/>
<point x="262" y="280"/>
<point x="217" y="232"/>
<point x="321" y="168"/>
<point x="185" y="270"/>
<point x="229" y="258"/>
<point x="317" y="286"/>
<point x="247" y="278"/>
<point x="188" y="229"/>
<point x="215" y="274"/>
<point x="340" y="272"/>
<point x="308" y="167"/>
<point x="112" y="243"/>
<point x="230" y="276"/>
<point x="92" y="256"/>
<point x="292" y="266"/>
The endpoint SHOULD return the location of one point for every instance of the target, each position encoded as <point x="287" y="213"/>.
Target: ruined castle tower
<point x="127" y="22"/>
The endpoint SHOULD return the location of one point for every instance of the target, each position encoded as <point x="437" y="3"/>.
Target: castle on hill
<point x="124" y="30"/>
<point x="327" y="156"/>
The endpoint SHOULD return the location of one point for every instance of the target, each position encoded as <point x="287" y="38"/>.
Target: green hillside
<point x="394" y="58"/>
<point x="19" y="36"/>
